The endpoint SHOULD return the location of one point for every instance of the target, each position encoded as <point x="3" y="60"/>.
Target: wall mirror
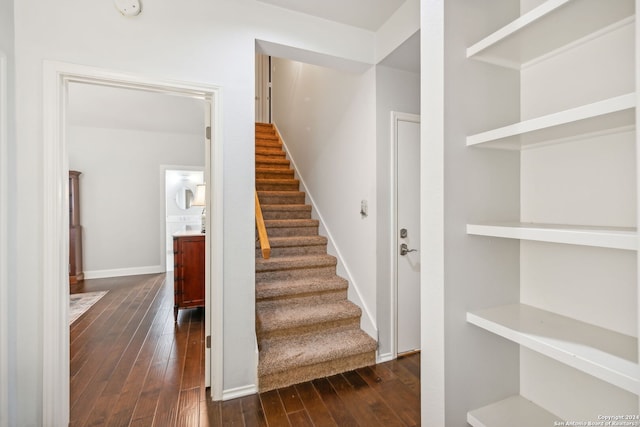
<point x="184" y="198"/>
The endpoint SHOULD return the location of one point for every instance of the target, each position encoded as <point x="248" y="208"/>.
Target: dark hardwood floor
<point x="131" y="365"/>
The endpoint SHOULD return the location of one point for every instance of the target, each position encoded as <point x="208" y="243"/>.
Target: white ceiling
<point x="117" y="108"/>
<point x="367" y="14"/>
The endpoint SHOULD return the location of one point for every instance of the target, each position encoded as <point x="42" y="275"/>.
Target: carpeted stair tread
<point x="277" y="184"/>
<point x="268" y="143"/>
<point x="305" y="324"/>
<point x="286" y="211"/>
<point x="277" y="181"/>
<point x="286" y="223"/>
<point x="300" y="316"/>
<point x="295" y="263"/>
<point x="286" y="207"/>
<point x="288" y="242"/>
<point x="279" y="356"/>
<point x="271" y="197"/>
<point x="267" y="151"/>
<point x="266" y="134"/>
<point x="270" y="160"/>
<point x="286" y="288"/>
<point x="289" y="246"/>
<point x="278" y="193"/>
<point x="274" y="171"/>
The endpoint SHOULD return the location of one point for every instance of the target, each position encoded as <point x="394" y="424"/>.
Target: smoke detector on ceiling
<point x="128" y="7"/>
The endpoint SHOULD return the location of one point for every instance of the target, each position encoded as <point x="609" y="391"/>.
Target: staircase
<point x="306" y="326"/>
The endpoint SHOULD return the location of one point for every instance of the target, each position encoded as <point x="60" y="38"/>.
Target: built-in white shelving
<point x="604" y="354"/>
<point x="598" y="117"/>
<point x="604" y="237"/>
<point x="569" y="52"/>
<point x="550" y="26"/>
<point x="512" y="411"/>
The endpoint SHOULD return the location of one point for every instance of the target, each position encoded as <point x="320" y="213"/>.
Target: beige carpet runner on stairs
<point x="306" y="326"/>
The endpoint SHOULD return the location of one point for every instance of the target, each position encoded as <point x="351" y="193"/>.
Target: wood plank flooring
<point x="131" y="365"/>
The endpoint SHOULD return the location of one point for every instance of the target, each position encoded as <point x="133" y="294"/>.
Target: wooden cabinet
<point x="188" y="273"/>
<point x="75" y="230"/>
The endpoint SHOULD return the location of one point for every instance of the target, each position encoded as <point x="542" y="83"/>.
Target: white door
<point x="408" y="232"/>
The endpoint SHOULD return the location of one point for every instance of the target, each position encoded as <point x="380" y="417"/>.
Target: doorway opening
<point x="180" y="188"/>
<point x="55" y="345"/>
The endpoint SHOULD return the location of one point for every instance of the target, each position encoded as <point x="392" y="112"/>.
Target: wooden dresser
<point x="188" y="270"/>
<point x="75" y="230"/>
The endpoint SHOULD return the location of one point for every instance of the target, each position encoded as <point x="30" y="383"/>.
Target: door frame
<point x="396" y="117"/>
<point x="54" y="251"/>
<point x="4" y="243"/>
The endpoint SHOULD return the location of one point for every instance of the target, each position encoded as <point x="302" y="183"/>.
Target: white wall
<point x="461" y="185"/>
<point x="7" y="215"/>
<point x="201" y="41"/>
<point x="121" y="189"/>
<point x="326" y="118"/>
<point x="396" y="90"/>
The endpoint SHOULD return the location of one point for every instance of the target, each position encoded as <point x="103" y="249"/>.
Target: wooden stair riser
<point x="291" y="198"/>
<point x="306" y="373"/>
<point x="297" y="273"/>
<point x="330" y="296"/>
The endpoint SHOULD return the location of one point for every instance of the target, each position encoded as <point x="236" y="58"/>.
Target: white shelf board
<point x="512" y="411"/>
<point x="602" y="353"/>
<point x="552" y="25"/>
<point x="598" y="117"/>
<point x="604" y="237"/>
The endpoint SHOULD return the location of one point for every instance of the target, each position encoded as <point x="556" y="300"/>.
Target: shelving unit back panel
<point x="593" y="285"/>
<point x="589" y="181"/>
<point x="570" y="393"/>
<point x="598" y="69"/>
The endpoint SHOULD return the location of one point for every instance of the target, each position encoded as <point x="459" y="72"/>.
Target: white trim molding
<point x="234" y="393"/>
<point x="4" y="242"/>
<point x="119" y="272"/>
<point x="55" y="280"/>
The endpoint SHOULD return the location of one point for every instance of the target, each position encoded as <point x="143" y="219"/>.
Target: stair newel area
<point x="306" y="326"/>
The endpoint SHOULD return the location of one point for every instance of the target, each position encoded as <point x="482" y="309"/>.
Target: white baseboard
<point x="243" y="391"/>
<point x="119" y="272"/>
<point x="385" y="357"/>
